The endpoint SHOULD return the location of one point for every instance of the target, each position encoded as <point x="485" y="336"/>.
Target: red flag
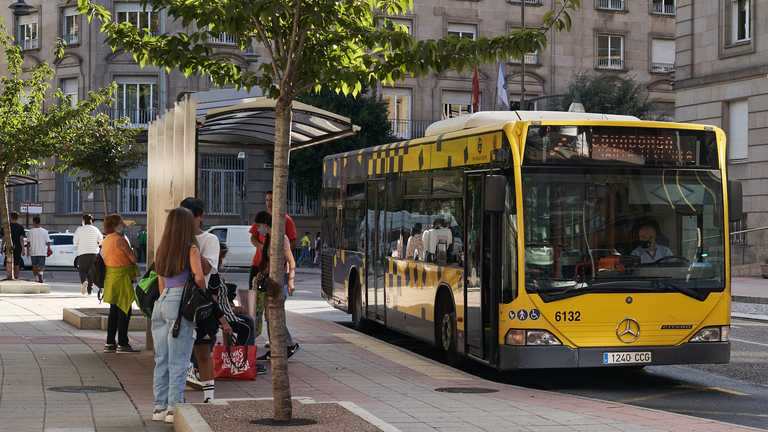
<point x="475" y="91"/>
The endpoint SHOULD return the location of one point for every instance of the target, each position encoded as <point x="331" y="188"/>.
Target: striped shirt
<point x="87" y="240"/>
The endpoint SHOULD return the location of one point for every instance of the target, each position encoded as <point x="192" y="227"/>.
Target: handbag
<point x="97" y="273"/>
<point x="147" y="292"/>
<point x="234" y="361"/>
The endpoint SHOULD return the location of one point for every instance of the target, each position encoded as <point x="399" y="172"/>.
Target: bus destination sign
<point x="641" y="149"/>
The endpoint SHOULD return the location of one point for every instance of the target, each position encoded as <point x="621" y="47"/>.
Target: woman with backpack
<point x="178" y="257"/>
<point x="121" y="270"/>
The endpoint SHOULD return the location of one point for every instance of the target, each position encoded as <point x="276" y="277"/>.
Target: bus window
<point x="509" y="246"/>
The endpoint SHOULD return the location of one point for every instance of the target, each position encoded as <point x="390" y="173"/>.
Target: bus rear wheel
<point x="445" y="330"/>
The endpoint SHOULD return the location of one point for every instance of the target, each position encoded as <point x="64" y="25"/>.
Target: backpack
<point x="147" y="291"/>
<point x="97" y="273"/>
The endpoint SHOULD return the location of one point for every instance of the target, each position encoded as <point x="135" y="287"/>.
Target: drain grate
<point x="84" y="389"/>
<point x="468" y="390"/>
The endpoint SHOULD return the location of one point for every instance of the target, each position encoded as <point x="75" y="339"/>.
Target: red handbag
<point x="236" y="362"/>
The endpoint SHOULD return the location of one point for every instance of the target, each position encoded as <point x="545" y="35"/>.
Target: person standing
<point x="206" y="331"/>
<point x="87" y="240"/>
<point x="306" y="249"/>
<point x="39" y="248"/>
<point x="118" y="284"/>
<point x="264" y="223"/>
<point x="13" y="268"/>
<point x="177" y="256"/>
<point x="142" y="241"/>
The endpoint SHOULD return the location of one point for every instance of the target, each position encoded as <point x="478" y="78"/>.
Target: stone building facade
<point x="143" y="94"/>
<point x="722" y="80"/>
<point x="626" y="37"/>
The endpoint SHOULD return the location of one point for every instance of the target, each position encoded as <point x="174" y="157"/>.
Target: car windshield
<point x="619" y="230"/>
<point x="62" y="240"/>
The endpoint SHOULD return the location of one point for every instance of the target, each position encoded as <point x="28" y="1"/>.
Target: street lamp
<point x="241" y="156"/>
<point x="21" y="8"/>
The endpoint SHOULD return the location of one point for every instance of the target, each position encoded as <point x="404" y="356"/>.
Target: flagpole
<point x="522" y="59"/>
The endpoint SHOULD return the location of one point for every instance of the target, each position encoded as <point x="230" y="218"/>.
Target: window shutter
<point x="738" y="129"/>
<point x="457" y="97"/>
<point x="663" y="51"/>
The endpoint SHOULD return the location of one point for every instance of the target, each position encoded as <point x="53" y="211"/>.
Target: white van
<point x="238" y="241"/>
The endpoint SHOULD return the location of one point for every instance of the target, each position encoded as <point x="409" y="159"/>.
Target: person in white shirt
<point x="87" y="240"/>
<point x="39" y="245"/>
<point x="201" y="376"/>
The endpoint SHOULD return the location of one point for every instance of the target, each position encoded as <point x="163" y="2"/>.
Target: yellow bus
<point x="538" y="239"/>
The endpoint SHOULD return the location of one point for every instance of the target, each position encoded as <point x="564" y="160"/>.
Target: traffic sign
<point x="31" y="208"/>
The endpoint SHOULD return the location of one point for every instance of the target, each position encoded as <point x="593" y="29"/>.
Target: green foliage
<point x="609" y="94"/>
<point x="107" y="151"/>
<point x="364" y="111"/>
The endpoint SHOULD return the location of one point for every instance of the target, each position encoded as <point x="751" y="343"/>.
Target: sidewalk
<point x="39" y="351"/>
<point x="749" y="290"/>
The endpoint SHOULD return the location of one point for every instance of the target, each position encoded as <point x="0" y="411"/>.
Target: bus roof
<point x="488" y="118"/>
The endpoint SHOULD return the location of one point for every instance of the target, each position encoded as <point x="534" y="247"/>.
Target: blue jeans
<point x="171" y="353"/>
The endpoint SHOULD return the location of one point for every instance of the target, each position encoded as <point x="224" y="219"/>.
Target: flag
<point x="475" y="91"/>
<point x="502" y="97"/>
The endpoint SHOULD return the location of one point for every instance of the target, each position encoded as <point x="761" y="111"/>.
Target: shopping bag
<point x="234" y="362"/>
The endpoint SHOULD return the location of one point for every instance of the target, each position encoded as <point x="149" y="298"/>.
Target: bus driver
<point x="649" y="251"/>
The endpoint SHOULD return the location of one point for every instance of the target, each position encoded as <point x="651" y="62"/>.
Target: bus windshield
<point x="612" y="229"/>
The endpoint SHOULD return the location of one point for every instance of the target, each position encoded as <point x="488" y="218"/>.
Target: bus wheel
<point x="445" y="331"/>
<point x="356" y="300"/>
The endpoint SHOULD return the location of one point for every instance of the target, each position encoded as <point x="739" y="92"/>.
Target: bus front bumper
<point x="546" y="357"/>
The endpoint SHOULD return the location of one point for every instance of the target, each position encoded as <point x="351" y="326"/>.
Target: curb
<point x="749" y="299"/>
<point x="754" y="317"/>
<point x="188" y="419"/>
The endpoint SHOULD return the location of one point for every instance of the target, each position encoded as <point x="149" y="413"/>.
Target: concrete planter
<point x="23" y="287"/>
<point x="96" y="319"/>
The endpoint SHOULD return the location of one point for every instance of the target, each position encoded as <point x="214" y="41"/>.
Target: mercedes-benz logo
<point x="628" y="330"/>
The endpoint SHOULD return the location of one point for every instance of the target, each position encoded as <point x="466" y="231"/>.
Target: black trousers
<point x="117" y="323"/>
<point x="84" y="264"/>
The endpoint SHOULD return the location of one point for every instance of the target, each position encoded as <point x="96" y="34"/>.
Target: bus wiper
<point x="665" y="284"/>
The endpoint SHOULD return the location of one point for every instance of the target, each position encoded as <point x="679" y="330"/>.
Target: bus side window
<point x="509" y="246"/>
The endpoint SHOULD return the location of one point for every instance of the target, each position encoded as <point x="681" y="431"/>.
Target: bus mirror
<point x="495" y="193"/>
<point x="735" y="201"/>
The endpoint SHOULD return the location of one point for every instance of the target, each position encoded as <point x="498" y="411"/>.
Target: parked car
<point x="238" y="241"/>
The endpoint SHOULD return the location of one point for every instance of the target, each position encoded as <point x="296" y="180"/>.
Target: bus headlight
<point x="530" y="337"/>
<point x="712" y="334"/>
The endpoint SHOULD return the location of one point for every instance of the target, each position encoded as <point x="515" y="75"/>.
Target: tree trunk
<point x="281" y="386"/>
<point x="104" y="198"/>
<point x="4" y="214"/>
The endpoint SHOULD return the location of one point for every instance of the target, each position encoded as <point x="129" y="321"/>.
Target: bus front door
<point x="482" y="271"/>
<point x="375" y="251"/>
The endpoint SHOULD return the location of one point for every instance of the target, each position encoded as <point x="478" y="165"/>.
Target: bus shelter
<point x="219" y="118"/>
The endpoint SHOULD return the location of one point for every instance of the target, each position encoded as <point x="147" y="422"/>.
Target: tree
<point x="106" y="151"/>
<point x="609" y="94"/>
<point x="367" y="112"/>
<point x="30" y="133"/>
<point x="340" y="45"/>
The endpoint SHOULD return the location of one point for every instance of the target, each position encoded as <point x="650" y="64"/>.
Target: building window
<point x="71" y="26"/>
<point x="403" y="22"/>
<point x="133" y="195"/>
<point x="616" y="5"/>
<point x="610" y="51"/>
<point x="456" y="103"/>
<point x="738" y="129"/>
<point x="138" y="16"/>
<point x="398" y="110"/>
<point x="741" y="15"/>
<point x="468" y="31"/>
<point x="28" y="37"/>
<point x="222" y="178"/>
<point x="662" y="55"/>
<point x="663" y="7"/>
<point x="136" y="99"/>
<point x="71" y="196"/>
<point x="69" y="87"/>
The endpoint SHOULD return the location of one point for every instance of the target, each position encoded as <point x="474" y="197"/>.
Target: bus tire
<point x="445" y="329"/>
<point x="356" y="304"/>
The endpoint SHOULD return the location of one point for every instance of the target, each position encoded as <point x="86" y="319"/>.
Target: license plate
<point x="610" y="358"/>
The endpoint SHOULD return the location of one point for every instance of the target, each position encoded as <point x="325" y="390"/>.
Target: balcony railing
<point x="610" y="63"/>
<point x="409" y="129"/>
<point x="137" y="118"/>
<point x="222" y="39"/>
<point x="71" y="39"/>
<point x="662" y="67"/>
<point x="610" y="4"/>
<point x="28" y="44"/>
<point x="663" y="8"/>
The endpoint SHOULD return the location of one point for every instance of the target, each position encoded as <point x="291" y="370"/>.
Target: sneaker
<point x="265" y="356"/>
<point x="261" y="369"/>
<point x="169" y="416"/>
<point x="110" y="348"/>
<point x="293" y="349"/>
<point x="122" y="349"/>
<point x="207" y="400"/>
<point x="83" y="287"/>
<point x="159" y="415"/>
<point x="193" y="380"/>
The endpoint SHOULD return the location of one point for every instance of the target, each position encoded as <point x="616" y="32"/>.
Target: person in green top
<point x="306" y="243"/>
<point x="142" y="240"/>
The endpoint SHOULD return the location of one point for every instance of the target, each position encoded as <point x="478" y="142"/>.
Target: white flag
<point x="502" y="98"/>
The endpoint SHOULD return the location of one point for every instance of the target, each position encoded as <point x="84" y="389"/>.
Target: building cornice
<point x="720" y="77"/>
